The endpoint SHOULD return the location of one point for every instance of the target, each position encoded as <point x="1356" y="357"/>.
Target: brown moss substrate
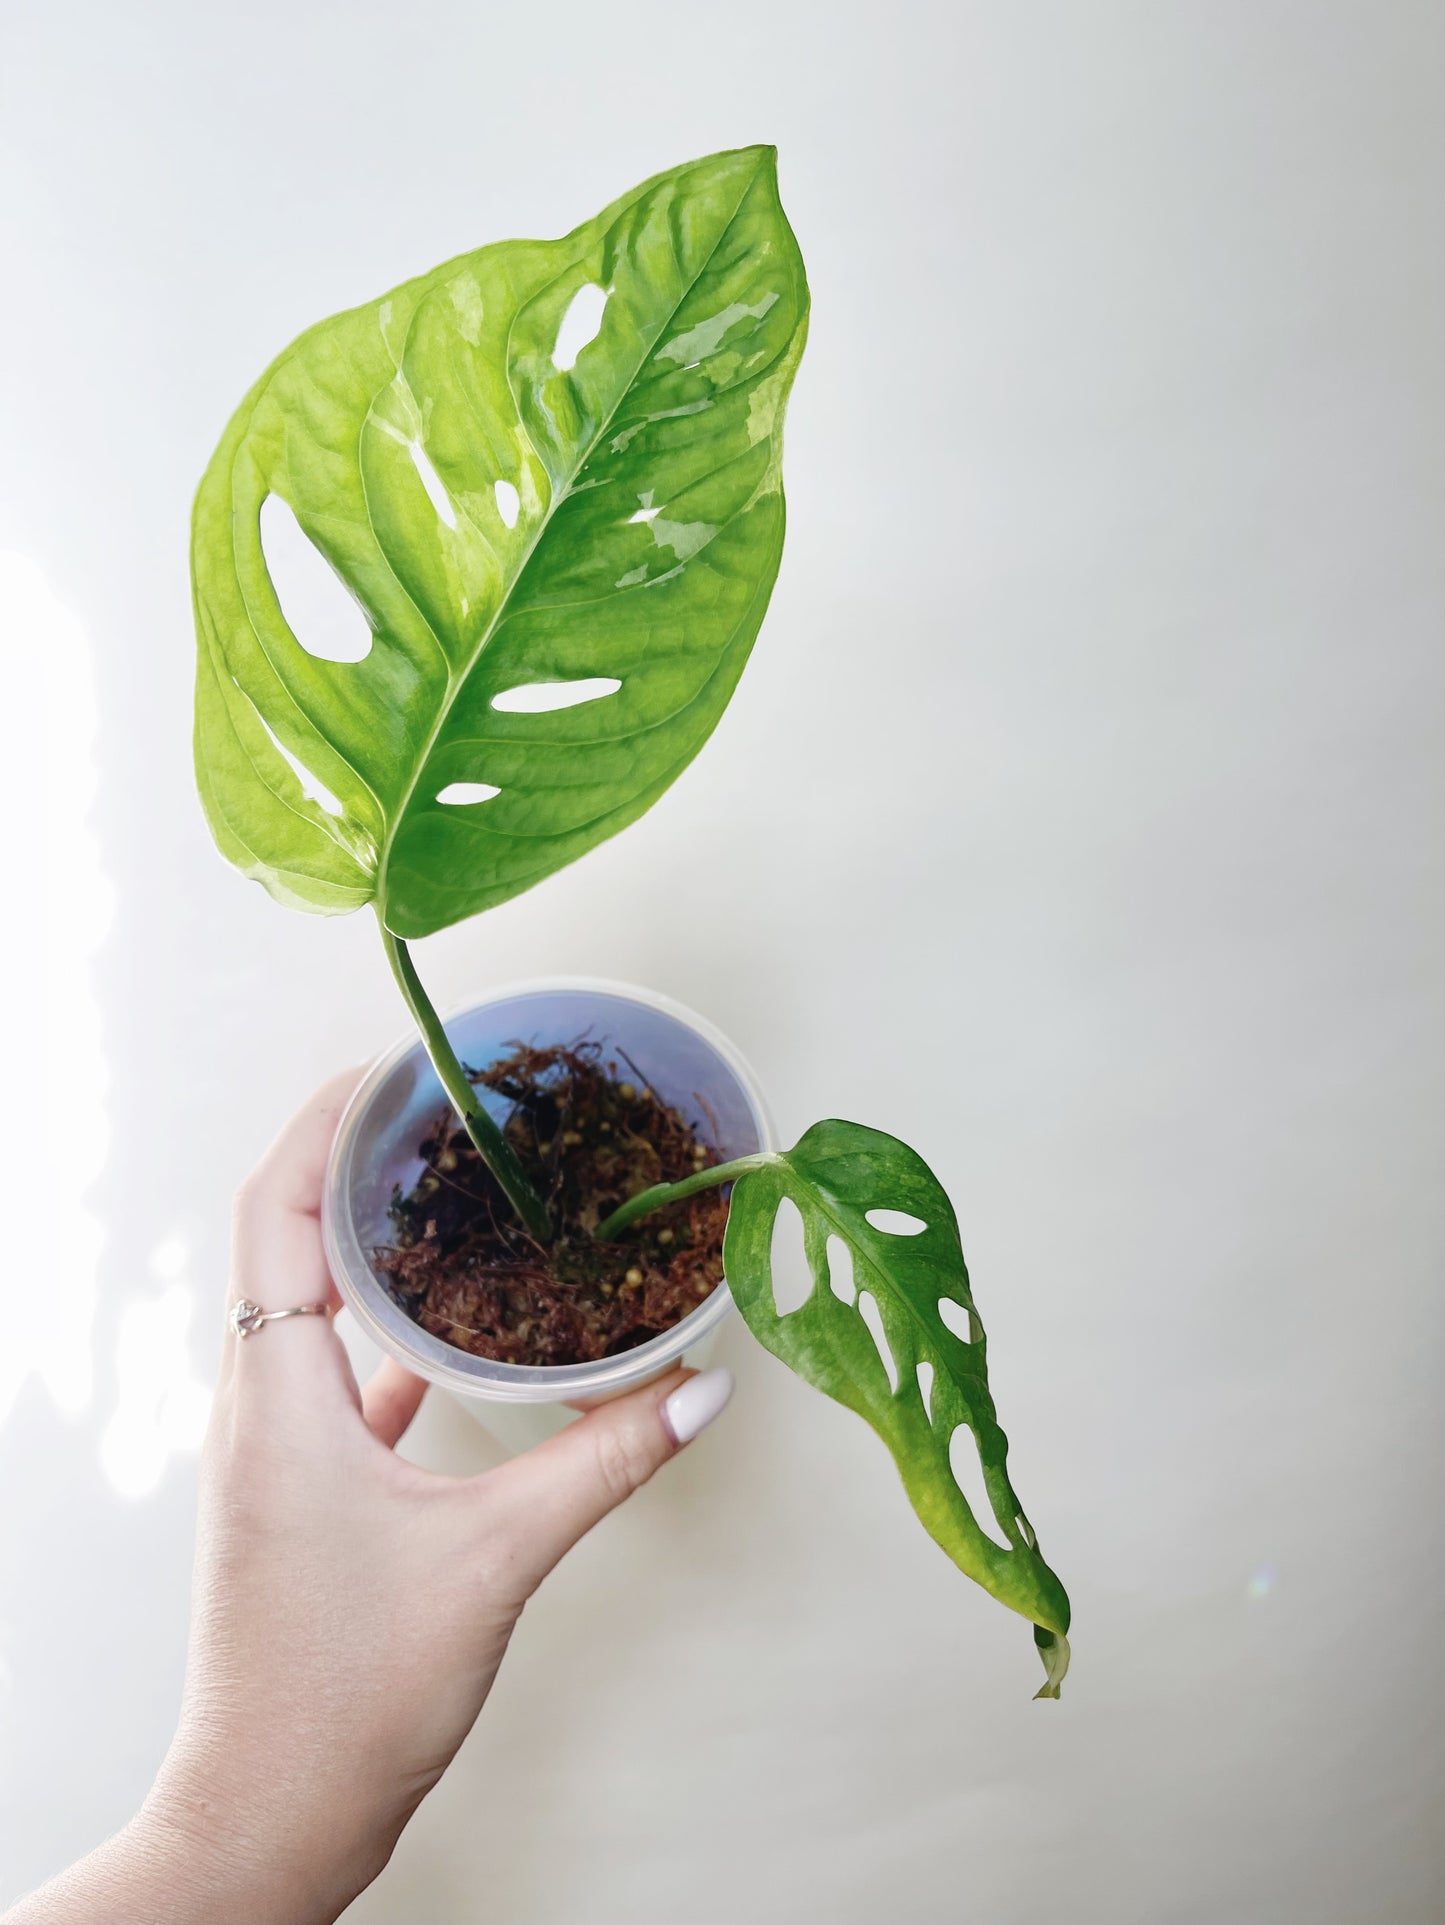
<point x="589" y="1133"/>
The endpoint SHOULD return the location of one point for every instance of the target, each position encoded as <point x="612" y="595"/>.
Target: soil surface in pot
<point x="590" y="1133"/>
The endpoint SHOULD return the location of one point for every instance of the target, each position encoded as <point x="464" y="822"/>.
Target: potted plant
<point x="563" y="555"/>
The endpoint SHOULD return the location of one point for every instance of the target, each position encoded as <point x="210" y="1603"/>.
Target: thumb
<point x="554" y="1494"/>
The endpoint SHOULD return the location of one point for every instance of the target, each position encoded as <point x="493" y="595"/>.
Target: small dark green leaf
<point x="507" y="514"/>
<point x="838" y="1175"/>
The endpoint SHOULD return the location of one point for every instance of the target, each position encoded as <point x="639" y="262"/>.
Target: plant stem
<point x="492" y="1147"/>
<point x="648" y="1200"/>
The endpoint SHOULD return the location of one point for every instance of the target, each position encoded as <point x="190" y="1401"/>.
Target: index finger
<point x="278" y="1258"/>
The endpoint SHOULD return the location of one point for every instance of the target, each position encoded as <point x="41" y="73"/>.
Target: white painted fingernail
<point x="693" y="1405"/>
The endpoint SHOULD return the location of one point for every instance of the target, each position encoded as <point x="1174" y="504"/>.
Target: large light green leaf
<point x="648" y="512"/>
<point x="838" y="1174"/>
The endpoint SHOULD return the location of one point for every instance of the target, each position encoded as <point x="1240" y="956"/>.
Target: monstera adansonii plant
<point x="602" y="528"/>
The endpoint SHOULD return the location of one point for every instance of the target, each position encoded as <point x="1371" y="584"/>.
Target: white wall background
<point x="1079" y="818"/>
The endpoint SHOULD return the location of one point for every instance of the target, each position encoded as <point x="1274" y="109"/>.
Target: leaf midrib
<point x="455" y="680"/>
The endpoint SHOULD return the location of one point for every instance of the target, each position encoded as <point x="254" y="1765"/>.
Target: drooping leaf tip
<point x="1053" y="1648"/>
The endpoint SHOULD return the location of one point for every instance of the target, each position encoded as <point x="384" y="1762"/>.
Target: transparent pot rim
<point x="441" y="1363"/>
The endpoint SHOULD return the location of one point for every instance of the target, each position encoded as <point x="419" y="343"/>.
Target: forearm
<point x="156" y="1871"/>
<point x="129" y="1880"/>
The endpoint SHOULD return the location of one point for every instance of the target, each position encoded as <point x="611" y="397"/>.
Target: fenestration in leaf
<point x="835" y="1175"/>
<point x="648" y="530"/>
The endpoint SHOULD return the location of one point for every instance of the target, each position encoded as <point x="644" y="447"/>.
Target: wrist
<point x="218" y="1865"/>
<point x="159" y="1870"/>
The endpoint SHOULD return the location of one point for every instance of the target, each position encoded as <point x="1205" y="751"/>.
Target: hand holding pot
<point x="350" y="1609"/>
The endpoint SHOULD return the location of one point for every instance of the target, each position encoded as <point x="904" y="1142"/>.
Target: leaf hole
<point x="967" y="1467"/>
<point x="925" y="1388"/>
<point x="509" y="502"/>
<point x="460" y="794"/>
<point x="840" y="1271"/>
<point x="542" y="698"/>
<point x="897" y="1223"/>
<point x="873" y="1317"/>
<point x="581" y="325"/>
<point x="432" y="482"/>
<point x="788" y="1260"/>
<point x="315" y="603"/>
<point x="312" y="787"/>
<point x="957" y="1318"/>
<point x="1026" y="1531"/>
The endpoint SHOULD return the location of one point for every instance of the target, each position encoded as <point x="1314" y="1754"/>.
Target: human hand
<point x="350" y="1610"/>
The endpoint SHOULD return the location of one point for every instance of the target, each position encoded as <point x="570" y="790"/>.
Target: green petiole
<point x="648" y="1200"/>
<point x="493" y="1148"/>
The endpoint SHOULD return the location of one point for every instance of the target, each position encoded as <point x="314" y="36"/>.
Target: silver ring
<point x="246" y="1317"/>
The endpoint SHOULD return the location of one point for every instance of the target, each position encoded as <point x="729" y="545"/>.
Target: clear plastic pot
<point x="688" y="1062"/>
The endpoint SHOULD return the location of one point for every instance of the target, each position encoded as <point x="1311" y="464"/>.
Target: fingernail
<point x="693" y="1405"/>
